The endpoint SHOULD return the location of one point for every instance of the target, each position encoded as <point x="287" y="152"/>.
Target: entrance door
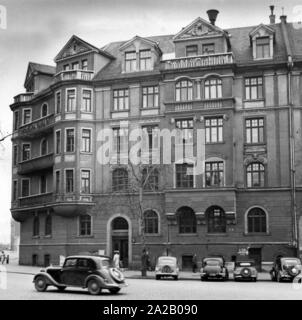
<point x="255" y="254"/>
<point x="121" y="244"/>
<point x="187" y="262"/>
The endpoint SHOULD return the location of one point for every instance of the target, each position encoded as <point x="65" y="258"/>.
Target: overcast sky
<point x="38" y="29"/>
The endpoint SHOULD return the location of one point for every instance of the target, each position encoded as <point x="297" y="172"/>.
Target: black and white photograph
<point x="150" y="151"/>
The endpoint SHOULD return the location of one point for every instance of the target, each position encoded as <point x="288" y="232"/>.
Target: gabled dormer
<point x="262" y="40"/>
<point x="201" y="38"/>
<point x="139" y="54"/>
<point x="78" y="54"/>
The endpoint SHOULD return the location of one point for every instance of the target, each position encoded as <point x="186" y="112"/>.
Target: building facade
<point x="241" y="88"/>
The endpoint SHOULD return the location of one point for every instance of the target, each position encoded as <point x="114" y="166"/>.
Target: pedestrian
<point x="116" y="259"/>
<point x="194" y="263"/>
<point x="7" y="259"/>
<point x="145" y="262"/>
<point x="3" y="257"/>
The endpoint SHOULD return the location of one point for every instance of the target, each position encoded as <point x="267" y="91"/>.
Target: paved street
<point x="20" y="286"/>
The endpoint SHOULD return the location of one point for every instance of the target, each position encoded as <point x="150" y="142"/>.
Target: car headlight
<point x="157" y="269"/>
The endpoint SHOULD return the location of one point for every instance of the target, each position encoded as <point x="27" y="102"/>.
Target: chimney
<point x="283" y="19"/>
<point x="272" y="17"/>
<point x="212" y="13"/>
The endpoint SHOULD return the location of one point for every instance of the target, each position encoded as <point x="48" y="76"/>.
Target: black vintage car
<point x="92" y="272"/>
<point x="214" y="268"/>
<point x="245" y="270"/>
<point x="286" y="268"/>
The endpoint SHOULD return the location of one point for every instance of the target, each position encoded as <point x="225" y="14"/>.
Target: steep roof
<point x="34" y="67"/>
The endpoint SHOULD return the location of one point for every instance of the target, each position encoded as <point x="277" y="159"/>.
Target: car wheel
<point x="114" y="290"/>
<point x="41" y="284"/>
<point x="175" y="277"/>
<point x="61" y="288"/>
<point x="203" y="278"/>
<point x="94" y="287"/>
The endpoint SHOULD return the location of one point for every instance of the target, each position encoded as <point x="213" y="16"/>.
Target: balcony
<point x="36" y="164"/>
<point x="74" y="75"/>
<point x="198" y="105"/>
<point x="35" y="200"/>
<point x="202" y="61"/>
<point x="36" y="127"/>
<point x="23" y="97"/>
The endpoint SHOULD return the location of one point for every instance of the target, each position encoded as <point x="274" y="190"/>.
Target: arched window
<point x="216" y="220"/>
<point x="43" y="150"/>
<point x="44" y="110"/>
<point x="255" y="175"/>
<point x="184" y="90"/>
<point x="213" y="88"/>
<point x="120" y="223"/>
<point x="48" y="225"/>
<point x="256" y="221"/>
<point x="36" y="226"/>
<point x="150" y="222"/>
<point x="120" y="179"/>
<point x="186" y="220"/>
<point x="150" y="178"/>
<point x="85" y="223"/>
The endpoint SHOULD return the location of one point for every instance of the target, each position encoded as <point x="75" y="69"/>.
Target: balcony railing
<point x="23" y="97"/>
<point x="74" y="75"/>
<point x="199" y="61"/>
<point x="36" y="126"/>
<point x="199" y="105"/>
<point x="37" y="199"/>
<point x="36" y="164"/>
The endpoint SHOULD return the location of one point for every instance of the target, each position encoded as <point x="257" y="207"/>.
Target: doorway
<point x="120" y="239"/>
<point x="255" y="254"/>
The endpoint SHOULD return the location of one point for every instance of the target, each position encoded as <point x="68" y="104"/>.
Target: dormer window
<point x="191" y="50"/>
<point x="130" y="61"/>
<point x="262" y="42"/>
<point x="208" y="48"/>
<point x="145" y="60"/>
<point x="263" y="47"/>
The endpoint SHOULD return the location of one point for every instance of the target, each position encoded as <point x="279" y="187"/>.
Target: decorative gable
<point x="262" y="40"/>
<point x="137" y="43"/>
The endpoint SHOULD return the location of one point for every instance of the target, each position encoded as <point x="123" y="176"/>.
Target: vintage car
<point x="214" y="268"/>
<point x="92" y="272"/>
<point x="166" y="266"/>
<point x="286" y="268"/>
<point x="245" y="270"/>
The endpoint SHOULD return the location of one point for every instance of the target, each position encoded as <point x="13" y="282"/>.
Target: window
<point x="120" y="179"/>
<point x="15" y="155"/>
<point x="119" y="223"/>
<point x="150" y="222"/>
<point x="25" y="151"/>
<point x="69" y="182"/>
<point x="121" y="99"/>
<point x="26" y="116"/>
<point x="263" y="47"/>
<point x="191" y="50"/>
<point x="145" y="60"/>
<point x="120" y="140"/>
<point x="150" y="97"/>
<point x="57" y="182"/>
<point x="58" y="142"/>
<point x="84" y="65"/>
<point x="15" y="190"/>
<point x="75" y="66"/>
<point x="184" y="90"/>
<point x="216" y="220"/>
<point x="85" y="181"/>
<point x="70" y="140"/>
<point x="186" y="126"/>
<point x="85" y="225"/>
<point x="66" y="67"/>
<point x="254" y="129"/>
<point x="86" y="100"/>
<point x="43" y="147"/>
<point x="150" y="179"/>
<point x="255" y="175"/>
<point x="43" y="184"/>
<point x="150" y="138"/>
<point x="130" y="61"/>
<point x="25" y="185"/>
<point x="34" y="259"/>
<point x="208" y="48"/>
<point x="253" y="88"/>
<point x="184" y="175"/>
<point x="58" y="102"/>
<point x="214" y="174"/>
<point x="44" y="110"/>
<point x="71" y="100"/>
<point x="48" y="225"/>
<point x="256" y="221"/>
<point x="36" y="226"/>
<point x="214" y="129"/>
<point x="213" y="88"/>
<point x="186" y="220"/>
<point x="16" y="120"/>
<point x="86" y="140"/>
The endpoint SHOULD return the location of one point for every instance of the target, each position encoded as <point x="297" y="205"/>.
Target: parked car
<point x="214" y="268"/>
<point x="166" y="266"/>
<point x="92" y="272"/>
<point x="286" y="268"/>
<point x="245" y="270"/>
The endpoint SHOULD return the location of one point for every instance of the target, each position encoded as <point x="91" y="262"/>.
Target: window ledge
<point x="213" y="143"/>
<point x="218" y="234"/>
<point x="253" y="100"/>
<point x="35" y="237"/>
<point x="48" y="237"/>
<point x="152" y="234"/>
<point x="119" y="111"/>
<point x="253" y="234"/>
<point x="84" y="237"/>
<point x="188" y="234"/>
<point x="149" y="108"/>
